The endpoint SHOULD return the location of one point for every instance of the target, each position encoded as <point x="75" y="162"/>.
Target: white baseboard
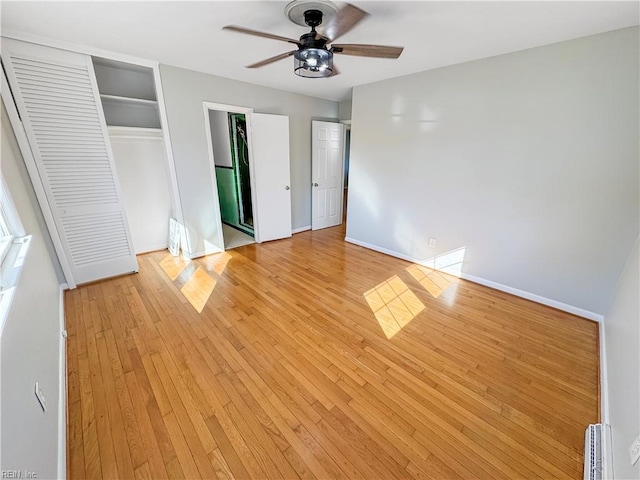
<point x="62" y="391"/>
<point x="203" y="253"/>
<point x="153" y="248"/>
<point x="301" y="229"/>
<point x="536" y="298"/>
<point x="488" y="283"/>
<point x="607" y="444"/>
<point x="383" y="250"/>
<point x="604" y="377"/>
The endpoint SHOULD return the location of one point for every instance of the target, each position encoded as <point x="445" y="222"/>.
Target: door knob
<point x="287" y="187"/>
<point x="315" y="184"/>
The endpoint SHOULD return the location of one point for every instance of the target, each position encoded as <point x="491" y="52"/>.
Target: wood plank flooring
<point x="314" y="358"/>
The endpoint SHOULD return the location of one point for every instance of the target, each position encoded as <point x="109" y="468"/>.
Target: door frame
<point x="347" y="132"/>
<point x="247" y="111"/>
<point x="342" y="159"/>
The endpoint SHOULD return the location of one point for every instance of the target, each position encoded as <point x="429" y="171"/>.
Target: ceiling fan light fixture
<point x="314" y="56"/>
<point x="313" y="63"/>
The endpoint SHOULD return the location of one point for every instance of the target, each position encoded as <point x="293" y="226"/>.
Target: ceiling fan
<point x="314" y="55"/>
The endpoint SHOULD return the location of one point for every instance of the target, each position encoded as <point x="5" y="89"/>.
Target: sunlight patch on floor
<point x="193" y="280"/>
<point x="198" y="289"/>
<point x="432" y="281"/>
<point x="217" y="262"/>
<point x="393" y="305"/>
<point x="173" y="266"/>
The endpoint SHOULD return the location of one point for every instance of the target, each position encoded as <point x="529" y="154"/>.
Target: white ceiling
<point x="434" y="34"/>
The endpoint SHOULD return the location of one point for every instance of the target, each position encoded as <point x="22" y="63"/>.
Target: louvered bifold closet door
<point x="57" y="97"/>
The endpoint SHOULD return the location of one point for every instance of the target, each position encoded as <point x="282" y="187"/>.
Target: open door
<point x="270" y="154"/>
<point x="327" y="163"/>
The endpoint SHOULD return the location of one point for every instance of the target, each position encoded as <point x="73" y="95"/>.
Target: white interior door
<point x="272" y="177"/>
<point x="327" y="163"/>
<point x="59" y="104"/>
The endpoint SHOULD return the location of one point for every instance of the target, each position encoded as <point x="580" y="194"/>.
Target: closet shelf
<point x="128" y="100"/>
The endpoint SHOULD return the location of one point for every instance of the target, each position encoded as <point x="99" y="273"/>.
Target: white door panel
<point x="327" y="174"/>
<point x="57" y="97"/>
<point x="270" y="156"/>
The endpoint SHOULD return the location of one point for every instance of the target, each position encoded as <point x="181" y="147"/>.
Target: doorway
<point x="327" y="165"/>
<point x="232" y="163"/>
<point x="265" y="145"/>
<point x="347" y="150"/>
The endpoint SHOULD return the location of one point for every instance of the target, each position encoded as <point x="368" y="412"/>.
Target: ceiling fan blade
<point x="347" y="18"/>
<point x="271" y="60"/>
<point x="377" y="51"/>
<point x="248" y="31"/>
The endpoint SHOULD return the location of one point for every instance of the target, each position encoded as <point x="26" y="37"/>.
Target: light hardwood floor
<point x="314" y="358"/>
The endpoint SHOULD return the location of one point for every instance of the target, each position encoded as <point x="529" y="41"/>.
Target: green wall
<point x="228" y="195"/>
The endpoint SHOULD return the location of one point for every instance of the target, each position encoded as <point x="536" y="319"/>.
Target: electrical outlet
<point x="432" y="242"/>
<point x="40" y="396"/>
<point x="634" y="451"/>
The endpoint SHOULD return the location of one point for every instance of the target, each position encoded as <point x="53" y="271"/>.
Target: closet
<point x="64" y="111"/>
<point x="129" y="100"/>
<point x="127" y="93"/>
<point x="94" y="142"/>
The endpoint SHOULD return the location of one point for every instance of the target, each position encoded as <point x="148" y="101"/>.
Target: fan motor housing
<point x="311" y="40"/>
<point x="313" y="18"/>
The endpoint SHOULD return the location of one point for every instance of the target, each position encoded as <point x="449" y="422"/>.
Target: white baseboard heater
<point x="594" y="452"/>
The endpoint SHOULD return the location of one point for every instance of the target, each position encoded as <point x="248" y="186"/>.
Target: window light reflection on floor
<point x="173" y="266"/>
<point x="195" y="283"/>
<point x="432" y="281"/>
<point x="393" y="305"/>
<point x="198" y="289"/>
<point x="217" y="262"/>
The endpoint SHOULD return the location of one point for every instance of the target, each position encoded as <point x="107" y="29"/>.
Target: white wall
<point x="141" y="164"/>
<point x="219" y="123"/>
<point x="30" y="343"/>
<point x="184" y="92"/>
<point x="344" y="110"/>
<point x="528" y="160"/>
<point x="622" y="339"/>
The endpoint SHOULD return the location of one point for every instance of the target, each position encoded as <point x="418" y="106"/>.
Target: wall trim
<point x="301" y="229"/>
<point x="536" y="298"/>
<point x="154" y="248"/>
<point x="607" y="445"/>
<point x="203" y="253"/>
<point x="488" y="283"/>
<point x="386" y="251"/>
<point x="62" y="390"/>
<point x="604" y="377"/>
<point x="176" y="199"/>
<point x="137" y="133"/>
<point x="76" y="47"/>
